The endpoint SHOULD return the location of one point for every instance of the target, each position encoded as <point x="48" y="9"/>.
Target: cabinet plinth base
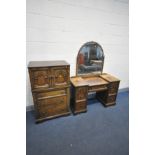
<point x="39" y="120"/>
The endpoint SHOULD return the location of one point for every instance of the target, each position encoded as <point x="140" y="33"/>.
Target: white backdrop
<point x="56" y="29"/>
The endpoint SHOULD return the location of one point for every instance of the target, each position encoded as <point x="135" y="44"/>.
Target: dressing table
<point x="89" y="78"/>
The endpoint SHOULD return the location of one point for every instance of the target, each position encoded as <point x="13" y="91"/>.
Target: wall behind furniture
<point x="56" y="29"/>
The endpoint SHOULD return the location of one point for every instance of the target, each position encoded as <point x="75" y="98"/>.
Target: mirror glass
<point x="90" y="59"/>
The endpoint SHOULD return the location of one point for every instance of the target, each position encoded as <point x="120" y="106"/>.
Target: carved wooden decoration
<point x="40" y="79"/>
<point x="61" y="76"/>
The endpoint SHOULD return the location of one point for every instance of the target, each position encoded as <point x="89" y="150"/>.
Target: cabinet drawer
<point x="80" y="105"/>
<point x="111" y="99"/>
<point x="51" y="106"/>
<point x="113" y="87"/>
<point x="97" y="88"/>
<point x="51" y="94"/>
<point x="81" y="93"/>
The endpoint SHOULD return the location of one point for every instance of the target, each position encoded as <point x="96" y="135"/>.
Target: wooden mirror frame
<point x="89" y="74"/>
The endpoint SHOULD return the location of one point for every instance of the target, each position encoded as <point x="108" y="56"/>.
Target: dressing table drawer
<point x="111" y="99"/>
<point x="106" y="99"/>
<point x="81" y="93"/>
<point x="97" y="88"/>
<point x="81" y="105"/>
<point x="113" y="87"/>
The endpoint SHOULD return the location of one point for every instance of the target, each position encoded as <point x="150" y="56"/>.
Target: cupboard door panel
<point x="61" y="76"/>
<point x="40" y="78"/>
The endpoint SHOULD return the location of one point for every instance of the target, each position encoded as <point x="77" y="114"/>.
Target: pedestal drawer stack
<point x="109" y="97"/>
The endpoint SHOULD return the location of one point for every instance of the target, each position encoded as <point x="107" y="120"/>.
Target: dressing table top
<point x="109" y="77"/>
<point x="93" y="80"/>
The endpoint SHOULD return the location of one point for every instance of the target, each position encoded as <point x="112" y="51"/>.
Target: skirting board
<point x="90" y="96"/>
<point x="123" y="90"/>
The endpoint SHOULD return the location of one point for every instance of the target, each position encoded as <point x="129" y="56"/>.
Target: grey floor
<point x="100" y="131"/>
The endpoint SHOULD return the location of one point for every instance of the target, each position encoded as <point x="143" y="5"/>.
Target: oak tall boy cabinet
<point x="50" y="85"/>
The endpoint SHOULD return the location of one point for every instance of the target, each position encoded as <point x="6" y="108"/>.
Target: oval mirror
<point x="90" y="59"/>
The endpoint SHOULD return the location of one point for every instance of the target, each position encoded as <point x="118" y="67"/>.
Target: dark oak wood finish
<point x="90" y="78"/>
<point x="50" y="85"/>
<point x="105" y="85"/>
<point x="109" y="97"/>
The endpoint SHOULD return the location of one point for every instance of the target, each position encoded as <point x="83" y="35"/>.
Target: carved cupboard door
<point x="61" y="76"/>
<point x="40" y="78"/>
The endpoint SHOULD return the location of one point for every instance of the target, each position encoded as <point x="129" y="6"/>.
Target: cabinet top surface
<point x="47" y="63"/>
